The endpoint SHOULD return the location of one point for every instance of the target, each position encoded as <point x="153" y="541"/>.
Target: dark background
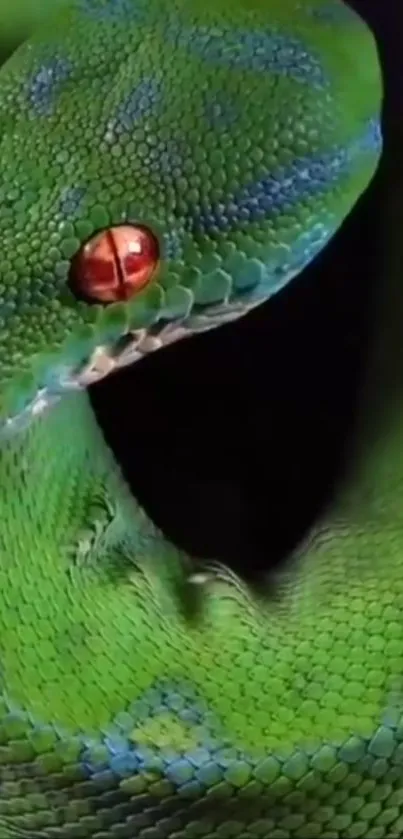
<point x="234" y="440"/>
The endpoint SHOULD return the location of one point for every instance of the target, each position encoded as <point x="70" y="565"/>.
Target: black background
<point x="234" y="440"/>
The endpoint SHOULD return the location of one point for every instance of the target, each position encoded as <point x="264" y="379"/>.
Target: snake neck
<point x="83" y="571"/>
<point x="60" y="486"/>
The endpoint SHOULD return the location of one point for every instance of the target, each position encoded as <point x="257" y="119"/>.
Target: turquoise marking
<point x="287" y="187"/>
<point x="71" y="201"/>
<point x="261" y="52"/>
<point x="222" y="112"/>
<point x="114" y="10"/>
<point x="211" y="758"/>
<point x="44" y="84"/>
<point x="140" y="103"/>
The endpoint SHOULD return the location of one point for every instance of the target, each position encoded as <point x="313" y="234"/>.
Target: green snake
<point x="166" y="167"/>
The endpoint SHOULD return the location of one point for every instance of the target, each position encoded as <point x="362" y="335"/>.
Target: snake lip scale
<point x="104" y="359"/>
<point x="109" y="358"/>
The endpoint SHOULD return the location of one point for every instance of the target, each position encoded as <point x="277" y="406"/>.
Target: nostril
<point x="114" y="264"/>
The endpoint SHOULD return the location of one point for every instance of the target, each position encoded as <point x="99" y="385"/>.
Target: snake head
<point x="164" y="168"/>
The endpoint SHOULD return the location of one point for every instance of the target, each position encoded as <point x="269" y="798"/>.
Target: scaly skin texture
<point x="241" y="133"/>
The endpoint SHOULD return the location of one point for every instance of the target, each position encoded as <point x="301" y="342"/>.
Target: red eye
<point x="115" y="264"/>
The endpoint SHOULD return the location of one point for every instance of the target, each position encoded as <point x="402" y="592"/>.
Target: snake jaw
<point x="133" y="346"/>
<point x="107" y="358"/>
<point x="104" y="360"/>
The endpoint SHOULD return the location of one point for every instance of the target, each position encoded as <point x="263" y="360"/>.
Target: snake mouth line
<point x="134" y="345"/>
<point x="109" y="358"/>
<point x="104" y="359"/>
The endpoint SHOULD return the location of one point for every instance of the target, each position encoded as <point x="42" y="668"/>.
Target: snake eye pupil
<point x="115" y="264"/>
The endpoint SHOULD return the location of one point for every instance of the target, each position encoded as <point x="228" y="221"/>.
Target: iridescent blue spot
<point x="264" y="52"/>
<point x="202" y="767"/>
<point x="125" y="763"/>
<point x="192" y="789"/>
<point x="189" y="715"/>
<point x="172" y="244"/>
<point x="179" y="772"/>
<point x="221" y="111"/>
<point x="116" y="745"/>
<point x="167" y="156"/>
<point x="176" y="701"/>
<point x="370" y="140"/>
<point x="199" y="757"/>
<point x="137" y="105"/>
<point x="71" y="200"/>
<point x="210" y="773"/>
<point x="280" y="191"/>
<point x="45" y="83"/>
<point x="114" y="10"/>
